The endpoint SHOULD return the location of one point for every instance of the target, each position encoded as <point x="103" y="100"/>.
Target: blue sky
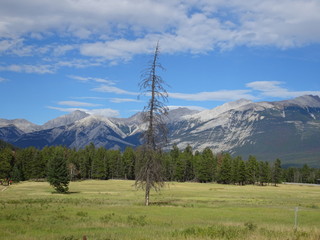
<point x="63" y="55"/>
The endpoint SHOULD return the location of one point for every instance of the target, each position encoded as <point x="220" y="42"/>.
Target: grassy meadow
<point x="114" y="209"/>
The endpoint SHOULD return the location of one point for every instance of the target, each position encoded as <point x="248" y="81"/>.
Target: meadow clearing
<point x="114" y="209"/>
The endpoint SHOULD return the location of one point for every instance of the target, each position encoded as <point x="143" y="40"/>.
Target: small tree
<point x="58" y="175"/>
<point x="150" y="174"/>
<point x="276" y="172"/>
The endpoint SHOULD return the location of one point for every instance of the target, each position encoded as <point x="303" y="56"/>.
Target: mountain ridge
<point x="288" y="129"/>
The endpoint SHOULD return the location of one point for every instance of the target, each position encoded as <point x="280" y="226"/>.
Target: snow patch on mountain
<point x="213" y="113"/>
<point x="94" y="120"/>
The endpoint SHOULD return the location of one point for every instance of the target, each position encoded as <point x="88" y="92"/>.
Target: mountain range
<point x="289" y="130"/>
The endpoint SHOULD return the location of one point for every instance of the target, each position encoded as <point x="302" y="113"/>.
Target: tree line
<point x="176" y="165"/>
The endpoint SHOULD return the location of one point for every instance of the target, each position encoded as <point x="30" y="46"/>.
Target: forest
<point x="177" y="165"/>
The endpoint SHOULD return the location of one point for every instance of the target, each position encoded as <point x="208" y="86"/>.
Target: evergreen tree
<point x="203" y="166"/>
<point x="29" y="155"/>
<point x="235" y="170"/>
<point x="6" y="161"/>
<point x="225" y="170"/>
<point x="19" y="166"/>
<point x="187" y="157"/>
<point x="242" y="173"/>
<point x="264" y="173"/>
<point x="277" y="172"/>
<point x="252" y="170"/>
<point x="305" y="173"/>
<point x="169" y="167"/>
<point x="98" y="167"/>
<point x="39" y="164"/>
<point x="210" y="162"/>
<point x="58" y="175"/>
<point x="86" y="156"/>
<point x="129" y="160"/>
<point x="178" y="164"/>
<point x="116" y="167"/>
<point x="183" y="164"/>
<point x="73" y="165"/>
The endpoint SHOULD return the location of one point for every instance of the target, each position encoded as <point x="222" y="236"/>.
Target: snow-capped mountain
<point x="289" y="130"/>
<point x="22" y="124"/>
<point x="65" y="119"/>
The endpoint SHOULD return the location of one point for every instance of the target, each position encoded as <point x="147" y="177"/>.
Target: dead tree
<point x="150" y="174"/>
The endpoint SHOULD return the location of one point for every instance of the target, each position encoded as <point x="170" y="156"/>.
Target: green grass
<point x="114" y="210"/>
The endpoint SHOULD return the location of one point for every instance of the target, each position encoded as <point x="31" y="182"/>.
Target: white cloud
<point x="223" y="95"/>
<point x="53" y="67"/>
<point x="107" y="112"/>
<point x="123" y="100"/>
<point x="87" y="79"/>
<point x="63" y="49"/>
<point x="126" y="28"/>
<point x="19" y="48"/>
<point x="2" y="79"/>
<point x="77" y="63"/>
<point x="77" y="104"/>
<point x="266" y="86"/>
<point x="91" y="98"/>
<point x="273" y="89"/>
<point x="117" y="49"/>
<point x="111" y="89"/>
<point x="39" y="69"/>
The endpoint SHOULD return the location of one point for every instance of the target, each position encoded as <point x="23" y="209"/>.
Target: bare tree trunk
<point x="150" y="175"/>
<point x="147" y="194"/>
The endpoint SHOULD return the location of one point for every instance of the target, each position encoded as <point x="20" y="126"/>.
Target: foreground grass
<point x="114" y="210"/>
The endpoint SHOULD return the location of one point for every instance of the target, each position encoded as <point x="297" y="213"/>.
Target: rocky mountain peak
<point x="22" y="124"/>
<point x="65" y="119"/>
<point x="213" y="113"/>
<point x="303" y="101"/>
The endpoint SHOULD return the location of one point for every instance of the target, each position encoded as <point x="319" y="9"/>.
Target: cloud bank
<point x="119" y="29"/>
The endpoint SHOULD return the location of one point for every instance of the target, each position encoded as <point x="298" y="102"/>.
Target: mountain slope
<point x="289" y="130"/>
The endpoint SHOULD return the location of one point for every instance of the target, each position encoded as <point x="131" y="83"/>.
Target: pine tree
<point x="264" y="173"/>
<point x="169" y="167"/>
<point x="189" y="166"/>
<point x="277" y="172"/>
<point x="209" y="164"/>
<point x="242" y="173"/>
<point x="305" y="172"/>
<point x="58" y="175"/>
<point x="225" y="170"/>
<point x="6" y="159"/>
<point x="235" y="170"/>
<point x="252" y="170"/>
<point x="98" y="167"/>
<point x="203" y="163"/>
<point x="129" y="160"/>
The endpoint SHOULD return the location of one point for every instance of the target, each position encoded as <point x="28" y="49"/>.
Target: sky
<point x="65" y="55"/>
